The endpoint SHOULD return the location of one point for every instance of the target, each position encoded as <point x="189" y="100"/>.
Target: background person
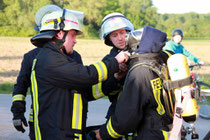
<point x="175" y="45"/>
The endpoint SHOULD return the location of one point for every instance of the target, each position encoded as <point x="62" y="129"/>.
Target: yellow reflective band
<point x="102" y="71"/>
<point x="111" y="131"/>
<point x="77" y="112"/>
<point x="34" y="63"/>
<point x="18" y="97"/>
<point x="31" y="111"/>
<point x="31" y="116"/>
<point x="97" y="91"/>
<point x="168" y="53"/>
<point x="165" y="134"/>
<point x="35" y="102"/>
<point x="31" y="119"/>
<point x="79" y="136"/>
<point x="157" y="87"/>
<point x="51" y="21"/>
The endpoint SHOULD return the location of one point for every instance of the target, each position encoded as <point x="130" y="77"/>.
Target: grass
<point x="6" y="88"/>
<point x="13" y="49"/>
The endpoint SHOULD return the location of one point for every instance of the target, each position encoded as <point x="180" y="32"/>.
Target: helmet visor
<point x="79" y="15"/>
<point x="113" y="24"/>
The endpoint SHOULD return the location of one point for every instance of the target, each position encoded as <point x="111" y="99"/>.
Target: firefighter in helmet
<point x="114" y="28"/>
<point x="140" y="108"/>
<point x="59" y="83"/>
<point x="23" y="82"/>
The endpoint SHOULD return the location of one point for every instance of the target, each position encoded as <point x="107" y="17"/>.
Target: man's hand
<point x="18" y="123"/>
<point x="122" y="57"/>
<point x="123" y="69"/>
<point x="18" y="109"/>
<point x="98" y="134"/>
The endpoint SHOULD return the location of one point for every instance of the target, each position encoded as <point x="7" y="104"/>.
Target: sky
<point x="182" y="6"/>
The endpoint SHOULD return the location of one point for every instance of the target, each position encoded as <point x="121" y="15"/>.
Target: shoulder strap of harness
<point x="162" y="71"/>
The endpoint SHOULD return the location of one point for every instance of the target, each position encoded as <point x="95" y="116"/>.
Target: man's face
<point x="118" y="38"/>
<point x="70" y="41"/>
<point x="177" y="39"/>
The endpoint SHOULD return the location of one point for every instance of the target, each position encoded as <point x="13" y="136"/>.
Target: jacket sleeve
<point x="23" y="80"/>
<point x="129" y="108"/>
<point x="107" y="87"/>
<point x="69" y="74"/>
<point x="190" y="55"/>
<point x="104" y="88"/>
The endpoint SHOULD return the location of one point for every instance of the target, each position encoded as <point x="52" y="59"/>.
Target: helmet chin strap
<point x="60" y="42"/>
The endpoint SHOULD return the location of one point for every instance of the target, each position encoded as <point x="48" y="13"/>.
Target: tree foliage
<point x="17" y="16"/>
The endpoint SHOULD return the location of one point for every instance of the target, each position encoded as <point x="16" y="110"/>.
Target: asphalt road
<point x="96" y="114"/>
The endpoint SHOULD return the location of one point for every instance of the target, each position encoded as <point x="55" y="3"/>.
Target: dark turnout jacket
<point x="59" y="87"/>
<point x="23" y="81"/>
<point x="139" y="109"/>
<point x="116" y="88"/>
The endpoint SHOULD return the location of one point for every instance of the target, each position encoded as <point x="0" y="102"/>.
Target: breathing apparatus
<point x="132" y="39"/>
<point x="186" y="105"/>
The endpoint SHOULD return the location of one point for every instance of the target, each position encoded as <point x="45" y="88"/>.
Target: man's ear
<point x="59" y="35"/>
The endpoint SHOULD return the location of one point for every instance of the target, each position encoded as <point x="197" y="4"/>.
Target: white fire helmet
<point x="62" y="20"/>
<point x="113" y="22"/>
<point x="43" y="11"/>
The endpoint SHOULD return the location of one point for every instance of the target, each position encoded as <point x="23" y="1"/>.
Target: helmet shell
<point x="43" y="11"/>
<point x="52" y="21"/>
<point x="177" y="32"/>
<point x="113" y="22"/>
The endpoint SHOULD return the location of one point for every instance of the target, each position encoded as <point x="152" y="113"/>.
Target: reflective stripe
<point x="51" y="21"/>
<point x="102" y="71"/>
<point x="79" y="136"/>
<point x="18" y="97"/>
<point x="31" y="116"/>
<point x="165" y="134"/>
<point x="157" y="87"/>
<point x="111" y="131"/>
<point x="97" y="91"/>
<point x="35" y="102"/>
<point x="77" y="112"/>
<point x="127" y="137"/>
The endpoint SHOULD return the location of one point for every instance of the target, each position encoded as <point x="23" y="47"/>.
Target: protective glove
<point x="18" y="109"/>
<point x="18" y="123"/>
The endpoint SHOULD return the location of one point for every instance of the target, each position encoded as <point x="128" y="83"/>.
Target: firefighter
<point x="18" y="107"/>
<point x="113" y="31"/>
<point x="140" y="108"/>
<point x="59" y="83"/>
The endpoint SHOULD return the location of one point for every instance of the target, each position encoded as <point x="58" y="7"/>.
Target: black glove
<point x="18" y="109"/>
<point x="91" y="136"/>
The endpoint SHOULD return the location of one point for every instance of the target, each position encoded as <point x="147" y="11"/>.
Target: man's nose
<point x="120" y="37"/>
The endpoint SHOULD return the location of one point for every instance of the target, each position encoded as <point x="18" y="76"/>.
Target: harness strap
<point x="178" y="83"/>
